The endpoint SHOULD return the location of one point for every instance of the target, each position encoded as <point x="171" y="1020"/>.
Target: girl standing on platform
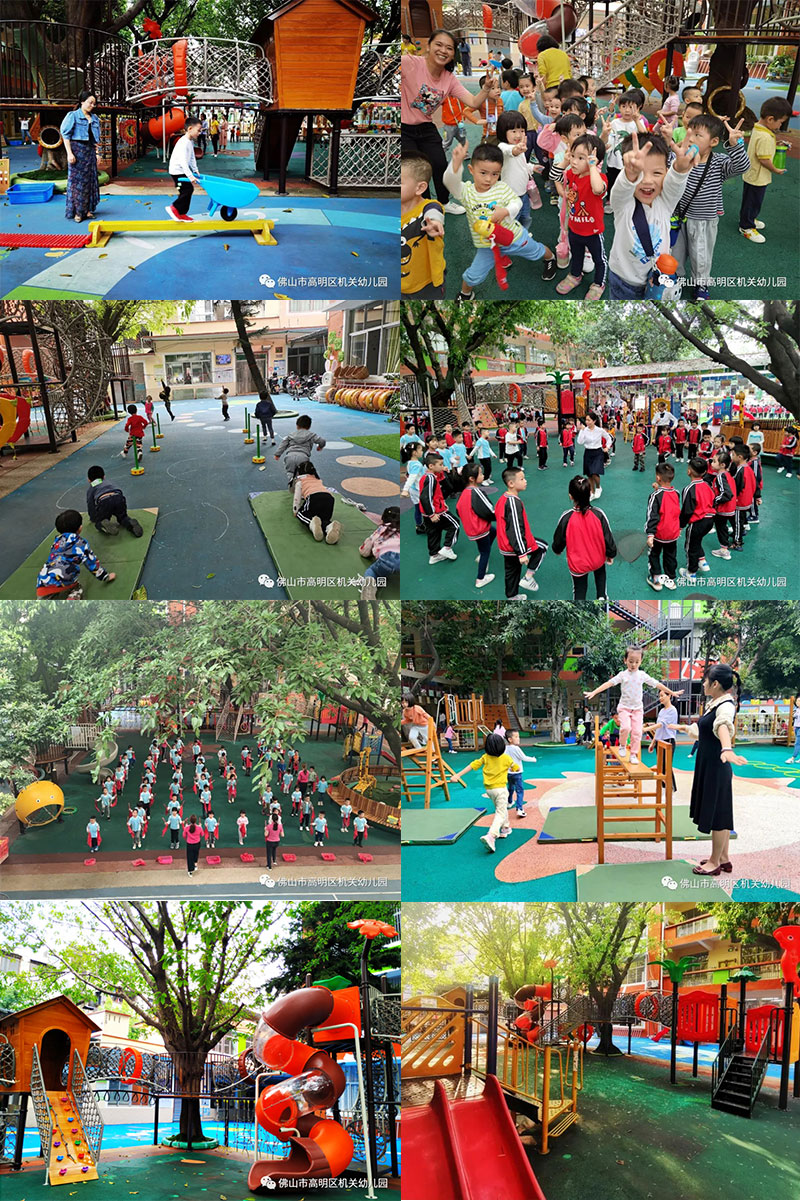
<point x="630" y="709"/>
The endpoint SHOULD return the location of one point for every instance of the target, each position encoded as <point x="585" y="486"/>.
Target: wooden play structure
<point x="466" y="716"/>
<point x="423" y="768"/>
<point x="366" y="781"/>
<point x="622" y="785"/>
<point x="43" y="1050"/>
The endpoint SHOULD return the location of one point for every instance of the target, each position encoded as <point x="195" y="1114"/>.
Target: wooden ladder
<point x="620" y="784"/>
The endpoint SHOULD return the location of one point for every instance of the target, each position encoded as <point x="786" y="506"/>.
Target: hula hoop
<point x="138" y="1065"/>
<point x="585" y="1031"/>
<point x="203" y="1144"/>
<point x="514" y="394"/>
<point x="69" y="809"/>
<point x="637" y="1007"/>
<point x="725" y="87"/>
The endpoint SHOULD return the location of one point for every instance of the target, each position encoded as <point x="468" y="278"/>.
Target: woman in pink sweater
<point x="192" y="832"/>
<point x="273" y="833"/>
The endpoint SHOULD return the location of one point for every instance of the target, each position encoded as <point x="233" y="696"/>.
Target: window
<point x="306" y="306"/>
<point x="191" y="368"/>
<point x="636" y="971"/>
<point x="371" y="335"/>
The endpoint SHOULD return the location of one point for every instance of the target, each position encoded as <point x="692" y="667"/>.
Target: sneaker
<point x="518" y="597"/>
<point x="755" y="520"/>
<point x="135" y="528"/>
<point x="563" y="261"/>
<point x="447" y="552"/>
<point x="599" y="491"/>
<point x="504" y="832"/>
<point x="747" y="526"/>
<point x="788" y="475"/>
<point x="685" y="574"/>
<point x="737" y="546"/>
<point x="455" y="209"/>
<point x="549" y="269"/>
<point x="752" y="235"/>
<point x="315" y="526"/>
<point x="634" y="759"/>
<point x="668" y="583"/>
<point x="554" y="199"/>
<point x="722" y="553"/>
<point x="440" y="558"/>
<point x="487" y="579"/>
<point x="529" y="585"/>
<point x="655" y="584"/>
<point x="568" y="284"/>
<point x="759" y="224"/>
<point x="521" y="813"/>
<point x="704" y="565"/>
<point x="108" y="527"/>
<point x="791" y="759"/>
<point x="370" y="590"/>
<point x="333" y="533"/>
<point x="421" y="530"/>
<point x="488" y="842"/>
<point x="594" y="293"/>
<point x="779" y="470"/>
<point x="607" y="208"/>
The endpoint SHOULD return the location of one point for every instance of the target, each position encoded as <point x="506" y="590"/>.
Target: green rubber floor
<point x="768" y="567"/>
<point x="299" y="559"/>
<point x="437" y="825"/>
<point x="661" y="880"/>
<point x="79" y="792"/>
<point x="120" y="553"/>
<point x="465" y="871"/>
<point x="579" y="824"/>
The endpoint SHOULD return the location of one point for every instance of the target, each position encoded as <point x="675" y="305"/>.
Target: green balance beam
<point x="427" y="826"/>
<point x="299" y="558"/>
<point x="121" y="553"/>
<point x="578" y="823"/>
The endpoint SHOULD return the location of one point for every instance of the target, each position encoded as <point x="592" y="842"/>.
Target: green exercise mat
<point x="578" y="823"/>
<point x="653" y="880"/>
<point x="437" y="825"/>
<point x="297" y="556"/>
<point x="120" y="553"/>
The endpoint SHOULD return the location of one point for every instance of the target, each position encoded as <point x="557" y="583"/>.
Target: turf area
<point x="768" y="567"/>
<point x="382" y="444"/>
<point x="69" y="836"/>
<point x="579" y="824"/>
<point x="158" y="1174"/>
<point x="639" y="1136"/>
<point x="741" y="268"/>
<point x="656" y="880"/>
<point x="307" y="568"/>
<point x="120" y="553"/>
<point x="207" y="544"/>
<point x="437" y="825"/>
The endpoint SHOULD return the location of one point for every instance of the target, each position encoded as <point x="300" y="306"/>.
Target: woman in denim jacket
<point x="80" y="130"/>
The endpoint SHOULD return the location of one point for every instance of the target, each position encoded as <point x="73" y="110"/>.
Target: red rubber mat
<point x="48" y="241"/>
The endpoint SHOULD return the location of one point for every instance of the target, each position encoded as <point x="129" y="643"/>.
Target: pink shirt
<point x="187" y="834"/>
<point x="421" y="94"/>
<point x="273" y="835"/>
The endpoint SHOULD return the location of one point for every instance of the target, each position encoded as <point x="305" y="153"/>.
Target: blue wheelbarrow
<point x="227" y="195"/>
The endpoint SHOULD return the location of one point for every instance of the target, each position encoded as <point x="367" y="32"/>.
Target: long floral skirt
<point x="83" y="189"/>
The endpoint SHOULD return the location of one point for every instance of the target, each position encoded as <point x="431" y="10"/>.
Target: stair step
<point x="740" y="1110"/>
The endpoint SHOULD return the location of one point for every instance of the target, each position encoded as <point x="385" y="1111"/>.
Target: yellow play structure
<point x="622" y="785"/>
<point x="366" y="781"/>
<point x="39" y="803"/>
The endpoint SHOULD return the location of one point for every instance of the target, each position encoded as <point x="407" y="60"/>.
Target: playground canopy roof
<point x="683" y="369"/>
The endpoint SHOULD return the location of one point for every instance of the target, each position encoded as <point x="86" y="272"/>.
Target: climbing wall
<point x="70" y="1157"/>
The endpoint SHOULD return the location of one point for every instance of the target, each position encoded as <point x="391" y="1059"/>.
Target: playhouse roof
<point x="361" y="10"/>
<point x="59" y="1000"/>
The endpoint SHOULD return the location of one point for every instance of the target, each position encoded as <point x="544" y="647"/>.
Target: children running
<point x="495" y="764"/>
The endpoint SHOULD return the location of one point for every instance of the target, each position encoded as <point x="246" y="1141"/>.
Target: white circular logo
<point x="266" y="281"/>
<point x="267" y="581"/>
<point x="668" y="882"/>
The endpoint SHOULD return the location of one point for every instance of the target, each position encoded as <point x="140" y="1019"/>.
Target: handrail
<point x="730" y="1047"/>
<point x="86" y="1103"/>
<point x="41" y="1109"/>
<point x="759" y="1065"/>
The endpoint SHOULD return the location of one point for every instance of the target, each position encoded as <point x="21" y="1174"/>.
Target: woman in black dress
<point x="711" y="806"/>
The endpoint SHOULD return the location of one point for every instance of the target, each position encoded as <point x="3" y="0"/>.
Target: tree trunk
<point x="189" y="1067"/>
<point x="605" y="1006"/>
<point x="247" y="349"/>
<point x="727" y="67"/>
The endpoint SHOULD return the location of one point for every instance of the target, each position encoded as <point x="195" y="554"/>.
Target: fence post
<point x="491" y="1047"/>
<point x="468" y="1013"/>
<point x="157" y="1100"/>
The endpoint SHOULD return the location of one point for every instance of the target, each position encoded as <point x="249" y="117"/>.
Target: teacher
<point x="711" y="806"/>
<point x="80" y="131"/>
<point x="426" y="81"/>
<point x="592" y="437"/>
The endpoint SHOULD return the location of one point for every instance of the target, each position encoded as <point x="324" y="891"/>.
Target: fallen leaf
<point x="102" y="256"/>
<point x="130" y="268"/>
<point x="54" y="254"/>
<point x="280" y="296"/>
<point x="354" y="254"/>
<point x="211" y="575"/>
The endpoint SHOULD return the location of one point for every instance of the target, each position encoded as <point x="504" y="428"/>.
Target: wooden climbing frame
<point x="429" y="765"/>
<point x="620" y="784"/>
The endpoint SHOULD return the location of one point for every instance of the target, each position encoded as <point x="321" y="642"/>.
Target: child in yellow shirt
<point x="422" y="263"/>
<point x="496" y="765"/>
<point x="774" y="114"/>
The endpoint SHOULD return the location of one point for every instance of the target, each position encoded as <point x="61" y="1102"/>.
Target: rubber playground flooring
<point x="639" y="1136"/>
<point x="742" y="269"/>
<point x="766" y="856"/>
<point x="334" y="247"/>
<point x="68" y="838"/>
<point x="207" y="543"/>
<point x="159" y="1174"/>
<point x="768" y="567"/>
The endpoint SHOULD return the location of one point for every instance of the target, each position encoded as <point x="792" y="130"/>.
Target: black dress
<point x="711" y="806"/>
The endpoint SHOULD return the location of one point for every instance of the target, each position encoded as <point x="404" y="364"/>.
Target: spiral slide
<point x="15" y="415"/>
<point x="465" y="1148"/>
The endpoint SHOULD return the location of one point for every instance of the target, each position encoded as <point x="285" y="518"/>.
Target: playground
<point x="593" y="823"/>
<point x="63" y="389"/>
<point x="624" y="397"/>
<point x="737" y="56"/>
<point x="195" y="750"/>
<point x="94" y="1112"/>
<point x="587" y="1107"/>
<point x="274" y="149"/>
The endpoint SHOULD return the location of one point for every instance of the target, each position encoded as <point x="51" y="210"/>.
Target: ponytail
<point x="580" y="491"/>
<point x="727" y="678"/>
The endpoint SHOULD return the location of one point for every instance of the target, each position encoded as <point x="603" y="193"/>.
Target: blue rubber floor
<point x="207" y="544"/>
<point x="326" y="247"/>
<point x="660" y="1051"/>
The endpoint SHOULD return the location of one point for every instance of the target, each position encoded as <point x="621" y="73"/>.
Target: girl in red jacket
<point x="786" y="452"/>
<point x="567" y="440"/>
<point x="586" y="536"/>
<point x="476" y="514"/>
<point x="541" y="444"/>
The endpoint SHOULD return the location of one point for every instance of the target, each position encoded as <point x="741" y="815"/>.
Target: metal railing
<point x="731" y="1046"/>
<point x="49" y="61"/>
<point x="626" y="37"/>
<point x="759" y="1065"/>
<point x="41" y="1109"/>
<point x="378" y="75"/>
<point x="216" y="71"/>
<point x="86" y="1103"/>
<point x="706" y="924"/>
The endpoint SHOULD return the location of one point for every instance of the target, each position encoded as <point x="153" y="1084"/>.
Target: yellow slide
<point x="70" y="1157"/>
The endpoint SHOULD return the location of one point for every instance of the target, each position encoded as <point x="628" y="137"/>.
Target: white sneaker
<point x="634" y="759"/>
<point x="487" y="579"/>
<point x="704" y="565"/>
<point x="488" y="841"/>
<point x="315" y="526"/>
<point x="504" y="832"/>
<point x="668" y="583"/>
<point x="722" y="553"/>
<point x="791" y="759"/>
<point x="746" y="525"/>
<point x="788" y="476"/>
<point x="599" y="492"/>
<point x="440" y="558"/>
<point x="447" y="552"/>
<point x="687" y="575"/>
<point x="530" y="585"/>
<point x="455" y="209"/>
<point x="780" y="469"/>
<point x="518" y="597"/>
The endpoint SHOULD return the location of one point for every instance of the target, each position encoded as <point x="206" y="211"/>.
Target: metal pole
<point x="366" y="1027"/>
<point x="21" y="1119"/>
<point x="788" y="1013"/>
<point x="491" y="1047"/>
<point x="723" y="1009"/>
<point x="37" y="356"/>
<point x="155" y="1121"/>
<point x="742" y="993"/>
<point x="468" y="1012"/>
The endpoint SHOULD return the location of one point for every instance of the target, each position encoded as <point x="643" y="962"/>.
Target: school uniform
<point x="758" y="472"/>
<point x="541" y="446"/>
<point x="663" y="524"/>
<point x="745" y="484"/>
<point x="432" y="502"/>
<point x="665" y="446"/>
<point x="786" y="453"/>
<point x="515" y="538"/>
<point x="679" y="434"/>
<point x="724" y="489"/>
<point x="693" y="435"/>
<point x="639" y="446"/>
<point x="567" y="440"/>
<point x="588" y="541"/>
<point x="697" y="518"/>
<point x="476" y="514"/>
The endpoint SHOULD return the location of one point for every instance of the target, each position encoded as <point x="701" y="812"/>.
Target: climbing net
<point x="216" y="70"/>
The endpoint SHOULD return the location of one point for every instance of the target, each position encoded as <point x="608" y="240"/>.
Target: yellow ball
<point x="41" y="802"/>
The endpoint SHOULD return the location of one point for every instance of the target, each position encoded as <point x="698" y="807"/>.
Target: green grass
<point x="387" y="445"/>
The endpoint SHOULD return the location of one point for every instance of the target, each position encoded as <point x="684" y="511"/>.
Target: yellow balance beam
<point x="260" y="227"/>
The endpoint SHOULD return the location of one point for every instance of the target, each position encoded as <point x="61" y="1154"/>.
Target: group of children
<point x="723" y="494"/>
<point x="662" y="183"/>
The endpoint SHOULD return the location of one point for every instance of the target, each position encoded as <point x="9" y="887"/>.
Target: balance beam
<point x="101" y="231"/>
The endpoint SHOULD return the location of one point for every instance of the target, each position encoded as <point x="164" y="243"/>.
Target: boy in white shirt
<point x="182" y="162"/>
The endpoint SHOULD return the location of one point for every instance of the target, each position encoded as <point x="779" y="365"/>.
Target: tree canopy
<point x="319" y="943"/>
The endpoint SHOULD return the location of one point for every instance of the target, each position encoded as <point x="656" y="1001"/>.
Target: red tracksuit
<point x="639" y="445"/>
<point x="541" y="446"/>
<point x="697" y="516"/>
<point x="663" y="525"/>
<point x="431" y="501"/>
<point x="724" y="489"/>
<point x="514" y="539"/>
<point x="745" y="485"/>
<point x="588" y="541"/>
<point x="680" y="440"/>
